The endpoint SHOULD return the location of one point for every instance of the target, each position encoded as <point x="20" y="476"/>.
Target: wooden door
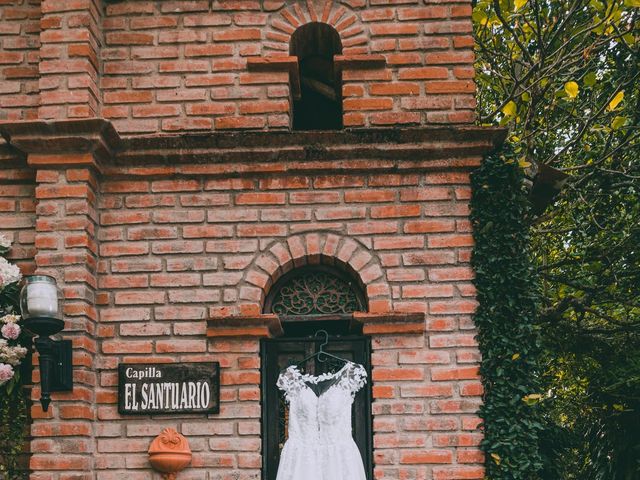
<point x="280" y="353"/>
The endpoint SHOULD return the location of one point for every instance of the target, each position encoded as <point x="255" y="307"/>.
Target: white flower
<point x="12" y="355"/>
<point x="9" y="273"/>
<point x="5" y="242"/>
<point x="10" y="318"/>
<point x="6" y="373"/>
<point x="10" y="331"/>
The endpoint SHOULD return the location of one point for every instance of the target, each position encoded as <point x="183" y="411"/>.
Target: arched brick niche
<point x="350" y="57"/>
<point x="315" y="46"/>
<point x="317" y="249"/>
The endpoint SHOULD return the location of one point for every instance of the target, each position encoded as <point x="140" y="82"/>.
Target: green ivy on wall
<point x="13" y="430"/>
<point x="508" y="339"/>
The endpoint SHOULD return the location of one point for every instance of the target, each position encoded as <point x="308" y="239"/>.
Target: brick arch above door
<point x="317" y="248"/>
<point x="313" y="248"/>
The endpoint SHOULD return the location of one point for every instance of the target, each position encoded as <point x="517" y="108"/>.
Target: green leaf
<point x="629" y="38"/>
<point x="632" y="3"/>
<point x="479" y="16"/>
<point x="590" y="79"/>
<point x="618" y="122"/>
<point x="571" y="89"/>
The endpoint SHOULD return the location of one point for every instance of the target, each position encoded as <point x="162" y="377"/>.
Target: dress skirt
<point x="339" y="461"/>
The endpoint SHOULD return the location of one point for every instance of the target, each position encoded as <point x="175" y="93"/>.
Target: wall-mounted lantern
<point x="41" y="314"/>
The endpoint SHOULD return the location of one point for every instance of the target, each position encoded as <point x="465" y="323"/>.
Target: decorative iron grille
<point x="315" y="292"/>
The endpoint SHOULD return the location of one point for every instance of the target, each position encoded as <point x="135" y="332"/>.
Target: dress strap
<point x="289" y="382"/>
<point x="354" y="377"/>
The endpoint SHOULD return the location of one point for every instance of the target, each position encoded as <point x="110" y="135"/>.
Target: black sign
<point x="168" y="388"/>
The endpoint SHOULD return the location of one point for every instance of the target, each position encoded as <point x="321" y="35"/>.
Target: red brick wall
<point x="18" y="208"/>
<point x="155" y="255"/>
<point x="180" y="66"/>
<point x="19" y="56"/>
<point x="176" y="252"/>
<point x="154" y="242"/>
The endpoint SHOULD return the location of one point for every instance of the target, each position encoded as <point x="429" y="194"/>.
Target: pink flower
<point x="6" y="373"/>
<point x="11" y="331"/>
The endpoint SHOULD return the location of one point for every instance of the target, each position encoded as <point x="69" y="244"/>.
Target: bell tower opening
<point x="320" y="106"/>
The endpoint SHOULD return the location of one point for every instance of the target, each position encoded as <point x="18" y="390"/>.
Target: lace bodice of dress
<point x="324" y="418"/>
<point x="320" y="445"/>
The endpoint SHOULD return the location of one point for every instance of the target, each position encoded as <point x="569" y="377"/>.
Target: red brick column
<point x="66" y="243"/>
<point x="65" y="158"/>
<point x="69" y="59"/>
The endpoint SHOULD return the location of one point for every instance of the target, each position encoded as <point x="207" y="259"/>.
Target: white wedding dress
<point x="320" y="445"/>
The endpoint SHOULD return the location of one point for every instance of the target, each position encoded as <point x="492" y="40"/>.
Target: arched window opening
<point x="320" y="106"/>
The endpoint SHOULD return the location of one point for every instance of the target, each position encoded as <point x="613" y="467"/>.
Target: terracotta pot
<point x="169" y="453"/>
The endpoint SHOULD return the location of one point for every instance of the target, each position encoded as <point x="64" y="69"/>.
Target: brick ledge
<point x="259" y="326"/>
<point x="270" y="326"/>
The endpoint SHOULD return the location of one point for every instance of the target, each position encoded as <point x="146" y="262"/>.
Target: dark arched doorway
<point x="308" y="299"/>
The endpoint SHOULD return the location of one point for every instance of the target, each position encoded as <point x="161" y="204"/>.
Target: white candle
<point x="42" y="299"/>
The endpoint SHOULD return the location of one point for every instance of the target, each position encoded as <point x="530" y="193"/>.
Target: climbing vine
<point x="13" y="408"/>
<point x="508" y="297"/>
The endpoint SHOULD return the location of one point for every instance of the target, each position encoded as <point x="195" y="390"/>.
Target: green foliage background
<point x="15" y="421"/>
<point x="563" y="76"/>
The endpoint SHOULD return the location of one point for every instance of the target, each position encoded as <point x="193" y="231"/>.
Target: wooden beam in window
<point x="279" y="64"/>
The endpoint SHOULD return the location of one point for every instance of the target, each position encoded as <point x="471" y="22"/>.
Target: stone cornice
<point x="40" y="138"/>
<point x="248" y="153"/>
<point x="308" y="152"/>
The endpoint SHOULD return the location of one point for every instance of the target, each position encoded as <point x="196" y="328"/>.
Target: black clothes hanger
<point x="322" y="352"/>
<point x="323" y="356"/>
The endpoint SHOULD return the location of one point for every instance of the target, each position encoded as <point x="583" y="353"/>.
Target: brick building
<point x="161" y="160"/>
